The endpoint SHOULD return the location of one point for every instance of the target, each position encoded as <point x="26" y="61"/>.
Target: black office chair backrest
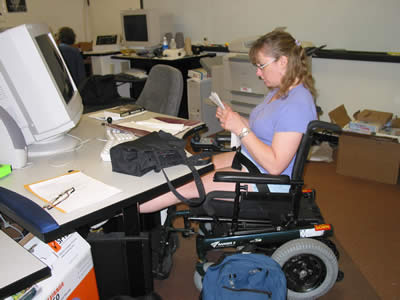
<point x="162" y="92"/>
<point x="305" y="145"/>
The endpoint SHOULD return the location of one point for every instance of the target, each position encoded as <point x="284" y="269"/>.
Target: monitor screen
<point x="56" y="66"/>
<point x="135" y="27"/>
<point x="144" y="28"/>
<point x="37" y="90"/>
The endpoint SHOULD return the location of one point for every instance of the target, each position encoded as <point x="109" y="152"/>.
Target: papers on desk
<point x="100" y="115"/>
<point x="153" y="124"/>
<point x="87" y="190"/>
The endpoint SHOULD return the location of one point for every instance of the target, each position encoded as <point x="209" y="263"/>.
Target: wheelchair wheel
<point x="310" y="267"/>
<point x="198" y="279"/>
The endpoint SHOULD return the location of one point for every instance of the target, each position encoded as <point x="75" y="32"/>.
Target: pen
<point x="60" y="198"/>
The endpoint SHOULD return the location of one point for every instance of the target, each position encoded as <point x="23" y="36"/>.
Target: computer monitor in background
<point x="144" y="28"/>
<point x="37" y="90"/>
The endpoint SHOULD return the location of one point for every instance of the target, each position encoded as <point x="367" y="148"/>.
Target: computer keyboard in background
<point x="114" y="137"/>
<point x="127" y="78"/>
<point x="138" y="74"/>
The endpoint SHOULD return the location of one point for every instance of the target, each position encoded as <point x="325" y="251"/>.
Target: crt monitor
<point x="37" y="90"/>
<point x="144" y="28"/>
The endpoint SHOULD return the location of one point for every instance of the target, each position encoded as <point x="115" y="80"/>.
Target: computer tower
<point x="122" y="264"/>
<point x="200" y="107"/>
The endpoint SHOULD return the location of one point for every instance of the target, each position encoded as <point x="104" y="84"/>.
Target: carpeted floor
<point x="364" y="215"/>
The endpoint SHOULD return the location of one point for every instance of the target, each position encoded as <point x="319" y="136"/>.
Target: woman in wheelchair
<point x="269" y="212"/>
<point x="272" y="134"/>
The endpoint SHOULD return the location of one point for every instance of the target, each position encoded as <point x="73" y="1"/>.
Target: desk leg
<point x="123" y="260"/>
<point x="131" y="220"/>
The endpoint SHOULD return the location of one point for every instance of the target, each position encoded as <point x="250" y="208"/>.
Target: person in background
<point x="72" y="56"/>
<point x="272" y="134"/>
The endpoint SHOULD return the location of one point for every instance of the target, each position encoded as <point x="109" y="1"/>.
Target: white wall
<point x="104" y="16"/>
<point x="55" y="13"/>
<point x="357" y="85"/>
<point x="100" y="17"/>
<point x="352" y="24"/>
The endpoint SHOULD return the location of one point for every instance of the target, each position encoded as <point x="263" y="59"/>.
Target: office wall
<point x="369" y="25"/>
<point x="88" y="18"/>
<point x="352" y="24"/>
<point x="55" y="13"/>
<point x="104" y="16"/>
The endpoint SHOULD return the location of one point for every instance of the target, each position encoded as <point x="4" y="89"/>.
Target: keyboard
<point x="136" y="74"/>
<point x="115" y="137"/>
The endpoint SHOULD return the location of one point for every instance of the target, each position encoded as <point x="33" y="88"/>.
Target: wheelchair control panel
<point x="219" y="143"/>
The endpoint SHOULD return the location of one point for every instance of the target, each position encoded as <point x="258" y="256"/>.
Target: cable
<point x="9" y="225"/>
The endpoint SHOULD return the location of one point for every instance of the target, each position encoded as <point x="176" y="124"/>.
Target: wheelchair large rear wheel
<point x="310" y="267"/>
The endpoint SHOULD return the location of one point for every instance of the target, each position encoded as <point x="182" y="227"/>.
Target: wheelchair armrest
<point x="244" y="177"/>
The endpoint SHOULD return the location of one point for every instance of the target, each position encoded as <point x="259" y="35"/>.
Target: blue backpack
<point x="245" y="276"/>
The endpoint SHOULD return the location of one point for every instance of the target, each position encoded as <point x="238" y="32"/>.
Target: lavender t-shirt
<point x="291" y="114"/>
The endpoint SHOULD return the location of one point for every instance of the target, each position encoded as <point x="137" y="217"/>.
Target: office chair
<point x="289" y="227"/>
<point x="162" y="92"/>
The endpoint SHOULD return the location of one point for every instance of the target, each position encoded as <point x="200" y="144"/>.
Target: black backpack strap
<point x="196" y="176"/>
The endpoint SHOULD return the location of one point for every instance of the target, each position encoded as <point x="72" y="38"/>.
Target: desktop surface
<point x="14" y="278"/>
<point x="88" y="160"/>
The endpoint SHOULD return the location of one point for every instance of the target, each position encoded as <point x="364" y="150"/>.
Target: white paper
<point x="235" y="140"/>
<point x="87" y="190"/>
<point x="215" y="98"/>
<point x="99" y="115"/>
<point x="153" y="124"/>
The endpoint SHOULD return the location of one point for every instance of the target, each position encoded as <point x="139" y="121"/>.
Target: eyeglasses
<point x="261" y="67"/>
<point x="60" y="198"/>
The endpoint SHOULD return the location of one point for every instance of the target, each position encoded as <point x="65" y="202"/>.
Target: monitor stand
<point x="55" y="145"/>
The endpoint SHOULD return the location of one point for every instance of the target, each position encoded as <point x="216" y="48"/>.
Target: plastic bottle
<point x="165" y="43"/>
<point x="172" y="44"/>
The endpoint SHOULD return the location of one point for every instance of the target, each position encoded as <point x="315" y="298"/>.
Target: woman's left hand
<point x="230" y="120"/>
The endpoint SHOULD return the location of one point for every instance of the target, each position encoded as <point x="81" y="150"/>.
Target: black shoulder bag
<point x="156" y="151"/>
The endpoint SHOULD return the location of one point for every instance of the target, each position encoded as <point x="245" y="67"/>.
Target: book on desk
<point x="123" y="111"/>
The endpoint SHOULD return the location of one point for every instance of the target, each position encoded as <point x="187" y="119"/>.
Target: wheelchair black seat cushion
<point x="253" y="206"/>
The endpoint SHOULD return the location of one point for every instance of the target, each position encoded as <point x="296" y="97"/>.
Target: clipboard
<point x="87" y="190"/>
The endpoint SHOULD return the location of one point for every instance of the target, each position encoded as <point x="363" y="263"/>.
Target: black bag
<point x="99" y="89"/>
<point x="156" y="151"/>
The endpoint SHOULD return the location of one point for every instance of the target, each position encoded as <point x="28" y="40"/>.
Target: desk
<point x="102" y="63"/>
<point x="16" y="278"/>
<point x="87" y="159"/>
<point x="183" y="64"/>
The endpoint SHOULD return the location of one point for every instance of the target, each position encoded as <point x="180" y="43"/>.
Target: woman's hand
<point x="230" y="120"/>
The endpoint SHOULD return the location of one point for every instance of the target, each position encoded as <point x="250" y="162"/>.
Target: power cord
<point x="9" y="225"/>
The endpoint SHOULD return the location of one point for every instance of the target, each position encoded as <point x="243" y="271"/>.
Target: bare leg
<point x="222" y="162"/>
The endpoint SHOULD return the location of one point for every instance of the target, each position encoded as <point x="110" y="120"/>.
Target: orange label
<point x="322" y="227"/>
<point x="55" y="246"/>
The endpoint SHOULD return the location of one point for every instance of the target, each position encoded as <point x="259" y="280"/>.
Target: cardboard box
<point x="72" y="272"/>
<point x="368" y="156"/>
<point x="365" y="121"/>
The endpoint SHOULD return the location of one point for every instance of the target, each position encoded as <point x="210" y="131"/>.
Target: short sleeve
<point x="297" y="112"/>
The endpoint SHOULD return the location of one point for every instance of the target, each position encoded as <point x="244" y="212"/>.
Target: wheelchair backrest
<point x="305" y="145"/>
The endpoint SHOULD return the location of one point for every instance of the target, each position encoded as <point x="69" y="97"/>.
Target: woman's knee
<point x="223" y="160"/>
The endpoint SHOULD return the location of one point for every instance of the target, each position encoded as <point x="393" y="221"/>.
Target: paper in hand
<point x="215" y="98"/>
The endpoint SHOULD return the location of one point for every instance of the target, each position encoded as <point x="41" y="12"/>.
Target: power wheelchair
<point x="289" y="227"/>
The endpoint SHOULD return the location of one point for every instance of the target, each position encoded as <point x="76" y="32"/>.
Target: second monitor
<point x="144" y="28"/>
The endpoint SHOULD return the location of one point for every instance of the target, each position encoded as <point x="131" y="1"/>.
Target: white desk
<point x="15" y="277"/>
<point x="87" y="159"/>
